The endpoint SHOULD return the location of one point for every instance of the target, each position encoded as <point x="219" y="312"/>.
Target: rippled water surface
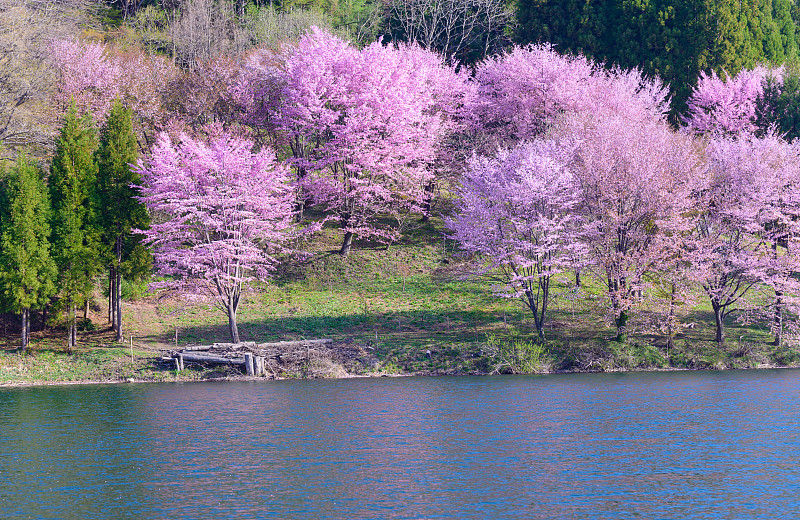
<point x="657" y="445"/>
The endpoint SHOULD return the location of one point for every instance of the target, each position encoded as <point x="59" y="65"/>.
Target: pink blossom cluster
<point x="727" y="104"/>
<point x="226" y="213"/>
<point x="363" y="125"/>
<point x="94" y="75"/>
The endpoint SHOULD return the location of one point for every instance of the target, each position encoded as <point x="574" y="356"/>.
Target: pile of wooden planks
<point x="251" y="357"/>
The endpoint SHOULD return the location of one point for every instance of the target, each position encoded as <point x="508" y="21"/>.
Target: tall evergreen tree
<point x="120" y="212"/>
<point x="27" y="271"/>
<point x="787" y="27"/>
<point x="75" y="235"/>
<point x="778" y="106"/>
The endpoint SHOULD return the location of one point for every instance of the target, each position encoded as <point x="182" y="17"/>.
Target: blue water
<point x="647" y="445"/>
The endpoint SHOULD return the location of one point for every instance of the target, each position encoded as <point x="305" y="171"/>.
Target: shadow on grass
<point x="410" y="327"/>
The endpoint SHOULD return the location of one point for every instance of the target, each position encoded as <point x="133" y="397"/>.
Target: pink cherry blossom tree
<point x="94" y="75"/>
<point x="519" y="94"/>
<point x="364" y="126"/>
<point x="228" y="212"/>
<point x="726" y="104"/>
<point x="634" y="175"/>
<point x="746" y="232"/>
<point x="89" y="75"/>
<point x="517" y="212"/>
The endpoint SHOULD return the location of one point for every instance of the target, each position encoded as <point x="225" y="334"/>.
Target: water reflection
<point x="667" y="445"/>
<point x="67" y="453"/>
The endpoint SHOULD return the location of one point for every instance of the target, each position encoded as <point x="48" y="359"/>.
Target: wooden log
<point x="177" y="364"/>
<point x="180" y="361"/>
<point x="299" y="343"/>
<point x="248" y="364"/>
<point x="210" y="358"/>
<point x="259" y="366"/>
<point x="253" y="345"/>
<point x="234" y="346"/>
<point x="196" y="348"/>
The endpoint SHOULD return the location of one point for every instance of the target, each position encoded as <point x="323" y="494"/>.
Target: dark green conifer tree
<point x="120" y="212"/>
<point x="787" y="27"/>
<point x="27" y="271"/>
<point x="75" y="234"/>
<point x="778" y="108"/>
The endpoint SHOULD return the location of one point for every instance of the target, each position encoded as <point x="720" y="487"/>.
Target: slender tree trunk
<point x="777" y="319"/>
<point x="718" y="320"/>
<point x="621" y="322"/>
<point x="72" y="329"/>
<point x="538" y="323"/>
<point x="428" y="204"/>
<point x="346" y="243"/>
<point x="671" y="320"/>
<point x="44" y="317"/>
<point x="26" y="328"/>
<point x="111" y="296"/>
<point x="234" y="330"/>
<point x="86" y="309"/>
<point x="118" y="305"/>
<point x="118" y="291"/>
<point x="577" y="277"/>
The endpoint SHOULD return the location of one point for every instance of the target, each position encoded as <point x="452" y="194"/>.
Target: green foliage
<point x="636" y="356"/>
<point x="85" y="325"/>
<point x="75" y="235"/>
<point x="134" y="288"/>
<point x="120" y="212"/>
<point x="778" y="107"/>
<point x="517" y="355"/>
<point x="27" y="270"/>
<point x="675" y="39"/>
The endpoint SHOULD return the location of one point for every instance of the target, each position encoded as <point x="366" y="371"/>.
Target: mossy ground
<point x="411" y="304"/>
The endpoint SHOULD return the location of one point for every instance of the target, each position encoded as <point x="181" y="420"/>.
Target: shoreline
<point x="245" y="378"/>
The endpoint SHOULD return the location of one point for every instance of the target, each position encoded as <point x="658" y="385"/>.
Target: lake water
<point x="637" y="445"/>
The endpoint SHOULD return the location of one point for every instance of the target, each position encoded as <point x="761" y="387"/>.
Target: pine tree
<point x="75" y="235"/>
<point x="27" y="271"/>
<point x="120" y="212"/>
<point x="787" y="28"/>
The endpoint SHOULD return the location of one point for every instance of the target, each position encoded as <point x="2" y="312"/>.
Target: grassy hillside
<point x="412" y="306"/>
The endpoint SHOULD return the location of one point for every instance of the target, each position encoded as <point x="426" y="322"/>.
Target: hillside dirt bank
<point x="339" y="360"/>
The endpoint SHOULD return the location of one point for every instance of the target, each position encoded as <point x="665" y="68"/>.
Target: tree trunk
<point x="118" y="306"/>
<point x="718" y="319"/>
<point x="577" y="277"/>
<point x="537" y="321"/>
<point x="234" y="330"/>
<point x="670" y="321"/>
<point x="621" y="322"/>
<point x="86" y="309"/>
<point x="26" y="328"/>
<point x="346" y="243"/>
<point x="118" y="290"/>
<point x="427" y="206"/>
<point x="72" y="329"/>
<point x="777" y="319"/>
<point x="111" y="277"/>
<point x="44" y="317"/>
